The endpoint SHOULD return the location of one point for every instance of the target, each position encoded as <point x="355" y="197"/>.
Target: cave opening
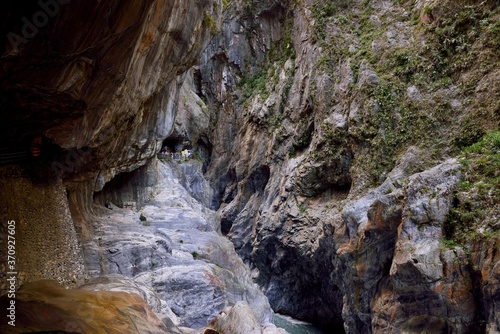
<point x="257" y="181"/>
<point x="125" y="190"/>
<point x="197" y="79"/>
<point x="176" y="144"/>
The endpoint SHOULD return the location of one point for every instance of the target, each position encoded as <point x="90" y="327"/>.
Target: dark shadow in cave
<point x="225" y="226"/>
<point x="126" y="190"/>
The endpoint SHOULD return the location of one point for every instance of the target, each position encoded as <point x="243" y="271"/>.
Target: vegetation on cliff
<point x="359" y="109"/>
<point x="476" y="213"/>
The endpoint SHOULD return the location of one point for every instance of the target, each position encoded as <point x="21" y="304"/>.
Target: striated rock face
<point x="172" y="252"/>
<point x="93" y="92"/>
<point x="112" y="73"/>
<point x="398" y="248"/>
<point x="334" y="125"/>
<point x="167" y="262"/>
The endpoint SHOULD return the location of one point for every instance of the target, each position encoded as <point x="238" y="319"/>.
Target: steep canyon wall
<point x="89" y="93"/>
<point x="351" y="147"/>
<point x="334" y="125"/>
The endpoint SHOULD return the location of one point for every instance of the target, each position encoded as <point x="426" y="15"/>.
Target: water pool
<point x="294" y="326"/>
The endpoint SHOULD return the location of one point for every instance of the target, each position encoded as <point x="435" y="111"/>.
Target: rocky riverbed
<point x="172" y="246"/>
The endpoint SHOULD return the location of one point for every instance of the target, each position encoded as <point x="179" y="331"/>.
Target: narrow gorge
<point x="198" y="166"/>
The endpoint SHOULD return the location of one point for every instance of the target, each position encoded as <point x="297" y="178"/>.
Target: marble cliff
<point x="346" y="166"/>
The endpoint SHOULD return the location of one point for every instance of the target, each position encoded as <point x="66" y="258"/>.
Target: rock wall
<point x="171" y="253"/>
<point x="332" y="128"/>
<point x="344" y="142"/>
<point x="95" y="83"/>
<point x="46" y="246"/>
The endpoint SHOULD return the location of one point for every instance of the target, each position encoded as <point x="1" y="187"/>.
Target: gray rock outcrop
<point x="171" y="253"/>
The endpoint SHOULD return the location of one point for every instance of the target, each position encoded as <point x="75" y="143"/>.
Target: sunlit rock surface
<point x="172" y="246"/>
<point x="44" y="306"/>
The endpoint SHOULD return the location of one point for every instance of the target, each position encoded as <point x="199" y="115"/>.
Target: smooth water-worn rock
<point x="109" y="77"/>
<point x="44" y="306"/>
<point x="95" y="85"/>
<point x="170" y="250"/>
<point x="240" y="319"/>
<point x="115" y="282"/>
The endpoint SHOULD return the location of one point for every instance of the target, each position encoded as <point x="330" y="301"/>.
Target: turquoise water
<point x="293" y="326"/>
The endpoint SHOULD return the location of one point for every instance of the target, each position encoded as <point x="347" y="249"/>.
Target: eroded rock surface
<point x="330" y="161"/>
<point x="45" y="306"/>
<point x="172" y="247"/>
<point x="327" y="129"/>
<point x="95" y="84"/>
<point x="240" y="319"/>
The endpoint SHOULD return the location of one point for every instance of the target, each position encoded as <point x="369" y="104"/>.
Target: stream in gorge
<point x="294" y="326"/>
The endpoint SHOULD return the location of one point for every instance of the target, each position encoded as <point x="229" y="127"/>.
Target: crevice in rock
<point x="176" y="143"/>
<point x="300" y="285"/>
<point x="225" y="225"/>
<point x="204" y="148"/>
<point x="198" y="84"/>
<point x="480" y="319"/>
<point x="225" y="188"/>
<point x="257" y="180"/>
